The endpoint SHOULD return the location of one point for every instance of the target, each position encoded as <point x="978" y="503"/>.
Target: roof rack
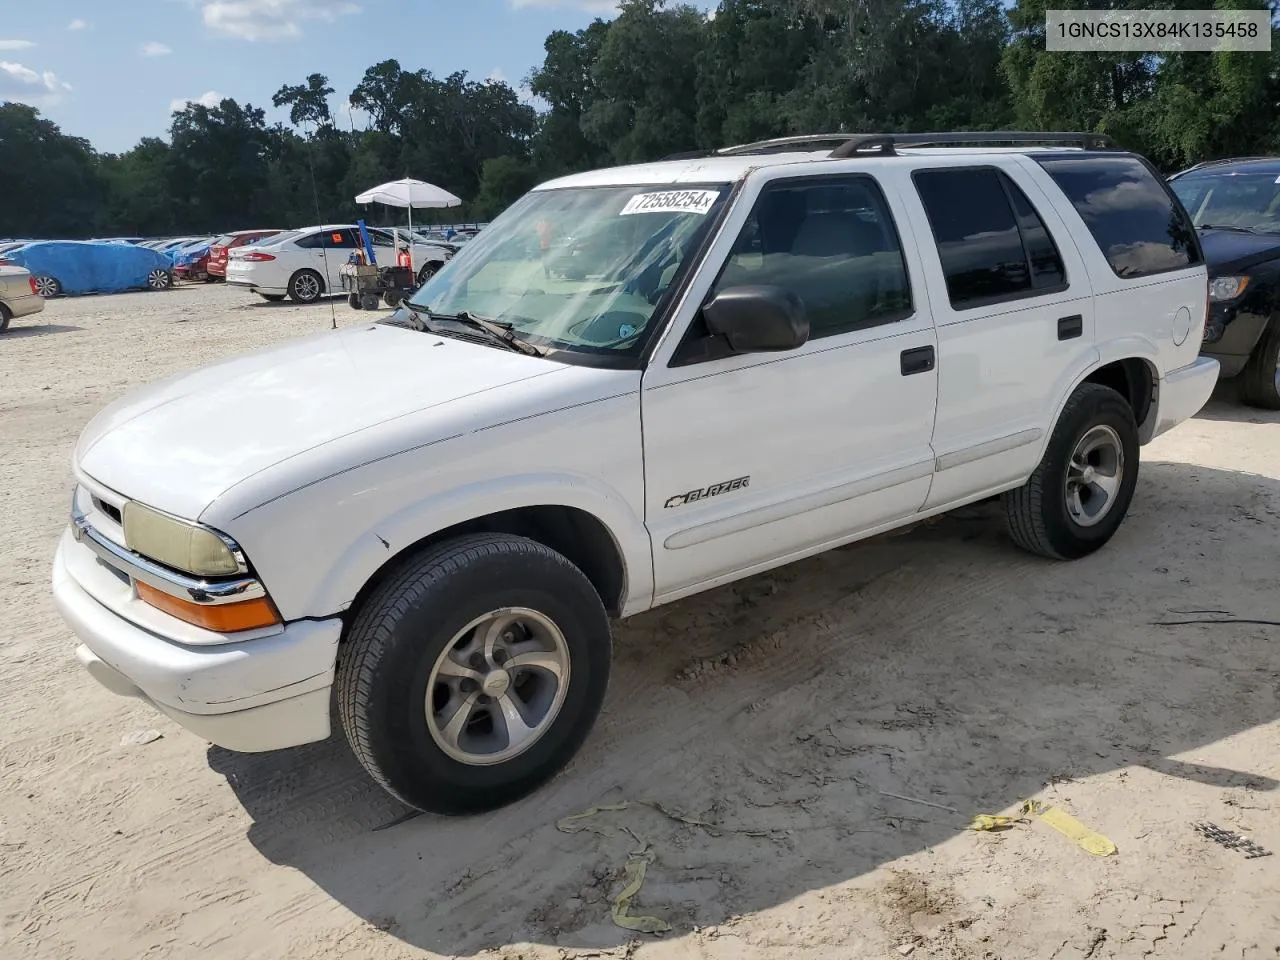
<point x="817" y="141"/>
<point x="884" y="144"/>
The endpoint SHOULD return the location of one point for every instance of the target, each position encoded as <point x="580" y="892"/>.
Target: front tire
<point x="473" y="674"/>
<point x="428" y="271"/>
<point x="1260" y="378"/>
<point x="159" y="279"/>
<point x="1079" y="494"/>
<point x="305" y="286"/>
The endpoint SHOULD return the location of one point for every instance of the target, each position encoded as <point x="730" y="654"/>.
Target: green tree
<point x="308" y="102"/>
<point x="51" y="182"/>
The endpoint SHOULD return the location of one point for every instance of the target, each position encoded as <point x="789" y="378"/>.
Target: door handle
<point x="1071" y="327"/>
<point x="917" y="360"/>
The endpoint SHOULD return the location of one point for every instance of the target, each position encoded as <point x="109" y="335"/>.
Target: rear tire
<point x="6" y="315"/>
<point x="431" y="641"/>
<point x="48" y="286"/>
<point x="1079" y="494"/>
<point x="1260" y="378"/>
<point x="305" y="286"/>
<point x="159" y="279"/>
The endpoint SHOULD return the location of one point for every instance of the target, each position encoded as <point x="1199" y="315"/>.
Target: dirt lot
<point x="942" y="666"/>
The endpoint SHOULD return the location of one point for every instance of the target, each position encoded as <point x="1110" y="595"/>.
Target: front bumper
<point x="1230" y="336"/>
<point x="1183" y="392"/>
<point x="259" y="694"/>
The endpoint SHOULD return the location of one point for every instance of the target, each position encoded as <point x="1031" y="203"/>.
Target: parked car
<point x="19" y="295"/>
<point x="304" y="264"/>
<point x="190" y="262"/>
<point x="220" y="247"/>
<point x="1235" y="206"/>
<point x="429" y="520"/>
<point x="86" y="266"/>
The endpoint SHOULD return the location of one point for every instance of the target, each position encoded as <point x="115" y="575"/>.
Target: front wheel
<point x="159" y="279"/>
<point x="1260" y="379"/>
<point x="427" y="272"/>
<point x="1079" y="494"/>
<point x="473" y="673"/>
<point x="305" y="287"/>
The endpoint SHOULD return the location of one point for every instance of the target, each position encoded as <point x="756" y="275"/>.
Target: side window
<point x="1131" y="214"/>
<point x="832" y="242"/>
<point x="1042" y="252"/>
<point x="313" y="241"/>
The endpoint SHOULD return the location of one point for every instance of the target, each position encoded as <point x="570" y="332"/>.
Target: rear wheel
<point x="272" y="297"/>
<point x="473" y="673"/>
<point x="305" y="287"/>
<point x="48" y="286"/>
<point x="1260" y="379"/>
<point x="1080" y="492"/>
<point x="159" y="279"/>
<point x="5" y="316"/>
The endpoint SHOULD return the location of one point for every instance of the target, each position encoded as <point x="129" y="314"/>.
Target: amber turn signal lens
<point x="222" y="617"/>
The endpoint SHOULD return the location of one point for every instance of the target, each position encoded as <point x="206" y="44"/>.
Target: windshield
<point x="1247" y="200"/>
<point x="581" y="269"/>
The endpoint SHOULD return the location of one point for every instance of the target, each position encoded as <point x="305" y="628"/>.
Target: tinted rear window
<point x="1130" y="212"/>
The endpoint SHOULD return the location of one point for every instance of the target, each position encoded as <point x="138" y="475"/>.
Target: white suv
<point x="740" y="360"/>
<point x="303" y="264"/>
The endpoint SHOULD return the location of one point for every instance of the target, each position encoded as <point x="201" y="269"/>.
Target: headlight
<point x="1226" y="288"/>
<point x="178" y="544"/>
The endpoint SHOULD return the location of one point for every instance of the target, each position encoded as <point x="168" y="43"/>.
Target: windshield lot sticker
<point x="714" y="490"/>
<point x="671" y="201"/>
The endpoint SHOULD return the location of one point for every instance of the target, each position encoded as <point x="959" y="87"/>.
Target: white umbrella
<point x="409" y="194"/>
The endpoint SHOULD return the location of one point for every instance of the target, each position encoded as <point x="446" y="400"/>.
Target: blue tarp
<point x="184" y="256"/>
<point x="89" y="267"/>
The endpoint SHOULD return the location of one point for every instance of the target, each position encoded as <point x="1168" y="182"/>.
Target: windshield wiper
<point x="502" y="333"/>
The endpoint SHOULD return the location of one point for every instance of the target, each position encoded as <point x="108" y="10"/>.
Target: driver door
<point x="754" y="460"/>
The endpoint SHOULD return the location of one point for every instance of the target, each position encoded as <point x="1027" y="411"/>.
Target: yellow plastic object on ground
<point x="1067" y="825"/>
<point x="638" y="861"/>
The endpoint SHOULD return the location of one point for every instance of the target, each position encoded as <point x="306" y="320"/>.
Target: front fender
<point x="313" y="586"/>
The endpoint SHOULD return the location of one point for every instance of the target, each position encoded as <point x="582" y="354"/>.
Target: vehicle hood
<point x="1230" y="251"/>
<point x="180" y="443"/>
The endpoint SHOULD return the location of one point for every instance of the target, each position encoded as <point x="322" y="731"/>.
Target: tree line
<point x="656" y="79"/>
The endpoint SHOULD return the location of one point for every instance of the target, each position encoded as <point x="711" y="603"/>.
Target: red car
<point x="218" y="250"/>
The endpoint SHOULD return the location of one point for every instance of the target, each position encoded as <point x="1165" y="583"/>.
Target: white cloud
<point x="498" y="75"/>
<point x="155" y="49"/>
<point x="210" y="99"/>
<point x="271" y="19"/>
<point x="15" y="44"/>
<point x="24" y="85"/>
<point x="78" y="24"/>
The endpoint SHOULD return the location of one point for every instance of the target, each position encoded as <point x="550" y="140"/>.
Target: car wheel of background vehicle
<point x="353" y="301"/>
<point x="393" y="298"/>
<point x="427" y="272"/>
<point x="305" y="286"/>
<point x="159" y="279"/>
<point x="5" y="317"/>
<point x="473" y="673"/>
<point x="1080" y="492"/>
<point x="272" y="297"/>
<point x="1260" y="378"/>
<point x="48" y="286"/>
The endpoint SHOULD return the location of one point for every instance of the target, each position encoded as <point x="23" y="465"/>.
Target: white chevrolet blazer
<point x="636" y="384"/>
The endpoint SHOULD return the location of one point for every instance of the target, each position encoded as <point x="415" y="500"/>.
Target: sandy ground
<point x="942" y="665"/>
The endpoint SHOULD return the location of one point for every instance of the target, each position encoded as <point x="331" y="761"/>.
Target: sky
<point x="111" y="71"/>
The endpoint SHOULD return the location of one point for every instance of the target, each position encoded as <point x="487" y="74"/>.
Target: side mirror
<point x="757" y="319"/>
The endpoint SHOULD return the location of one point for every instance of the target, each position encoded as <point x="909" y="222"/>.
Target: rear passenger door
<point x="756" y="459"/>
<point x="1014" y="313"/>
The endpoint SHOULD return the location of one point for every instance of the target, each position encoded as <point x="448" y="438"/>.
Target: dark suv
<point x="1235" y="205"/>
